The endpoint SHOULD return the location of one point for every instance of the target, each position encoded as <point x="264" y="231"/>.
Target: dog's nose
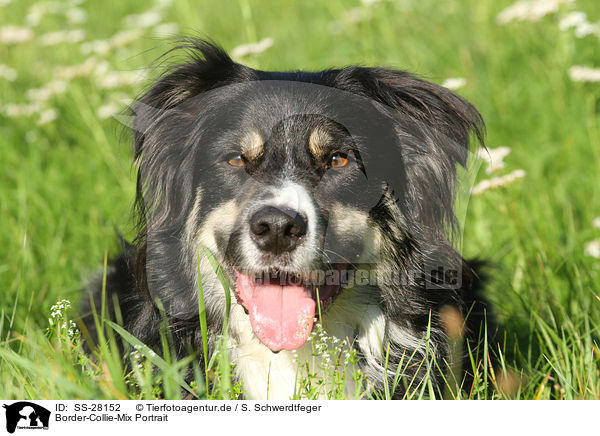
<point x="277" y="230"/>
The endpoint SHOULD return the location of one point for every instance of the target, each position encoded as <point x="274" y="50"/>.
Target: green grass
<point x="66" y="185"/>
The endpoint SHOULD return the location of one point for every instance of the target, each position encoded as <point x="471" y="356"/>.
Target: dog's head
<point x="291" y="180"/>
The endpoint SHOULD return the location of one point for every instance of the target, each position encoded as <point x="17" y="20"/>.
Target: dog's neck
<point x="354" y="321"/>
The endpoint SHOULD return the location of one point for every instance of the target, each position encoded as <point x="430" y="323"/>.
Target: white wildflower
<point x="592" y="248"/>
<point x="572" y="19"/>
<point x="579" y="73"/>
<point x="108" y="110"/>
<point x="15" y="34"/>
<point x="584" y="29"/>
<point x="494" y="158"/>
<point x="125" y="37"/>
<point x="122" y="98"/>
<point x="47" y="116"/>
<point x="145" y="19"/>
<point x="60" y="307"/>
<point x="49" y="90"/>
<point x="529" y="10"/>
<point x="87" y="68"/>
<point x="497" y="182"/>
<point x="119" y="39"/>
<point x="116" y="79"/>
<point x="5" y="2"/>
<point x="8" y="73"/>
<point x="596" y="222"/>
<point x="162" y="4"/>
<point x="454" y="83"/>
<point x="61" y="36"/>
<point x="36" y="12"/>
<point x="73" y="330"/>
<point x="165" y="29"/>
<point x="98" y="46"/>
<point x="76" y="15"/>
<point x="356" y="15"/>
<point x="21" y="110"/>
<point x="516" y="11"/>
<point x="34" y="16"/>
<point x="248" y="49"/>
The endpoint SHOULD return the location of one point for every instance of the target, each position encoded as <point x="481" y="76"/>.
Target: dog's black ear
<point x="431" y="104"/>
<point x="434" y="127"/>
<point x="207" y="66"/>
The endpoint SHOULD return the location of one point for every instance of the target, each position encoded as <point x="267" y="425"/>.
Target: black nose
<point x="277" y="230"/>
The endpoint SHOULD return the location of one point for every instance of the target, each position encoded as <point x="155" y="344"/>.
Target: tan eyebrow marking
<point x="252" y="145"/>
<point x="317" y="142"/>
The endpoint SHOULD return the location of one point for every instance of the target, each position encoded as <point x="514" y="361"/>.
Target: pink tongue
<point x="281" y="316"/>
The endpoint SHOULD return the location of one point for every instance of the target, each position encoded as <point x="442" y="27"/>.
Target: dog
<point x="322" y="197"/>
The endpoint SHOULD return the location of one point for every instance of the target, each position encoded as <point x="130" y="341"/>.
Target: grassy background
<point x="66" y="185"/>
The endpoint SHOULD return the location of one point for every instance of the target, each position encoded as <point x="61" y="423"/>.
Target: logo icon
<point x="26" y="415"/>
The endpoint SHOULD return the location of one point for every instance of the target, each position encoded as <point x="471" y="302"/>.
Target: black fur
<point x="422" y="133"/>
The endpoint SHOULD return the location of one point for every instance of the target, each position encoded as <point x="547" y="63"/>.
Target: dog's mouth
<point x="282" y="307"/>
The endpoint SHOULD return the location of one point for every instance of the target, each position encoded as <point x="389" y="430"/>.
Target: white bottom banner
<point x="290" y="417"/>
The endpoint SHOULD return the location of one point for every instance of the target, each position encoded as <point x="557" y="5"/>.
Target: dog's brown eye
<point x="236" y="160"/>
<point x="338" y="160"/>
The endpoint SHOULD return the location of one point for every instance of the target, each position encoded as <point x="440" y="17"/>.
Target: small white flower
<point x="76" y="15"/>
<point x="117" y="79"/>
<point x="247" y="49"/>
<point x="119" y="39"/>
<point x="145" y="19"/>
<point x="494" y="157"/>
<point x="8" y="73"/>
<point x="579" y="73"/>
<point x="5" y="2"/>
<point x="529" y="10"/>
<point x="592" y="249"/>
<point x="20" y="110"/>
<point x="454" y="83"/>
<point x="165" y="29"/>
<point x="584" y="29"/>
<point x="516" y="11"/>
<point x="572" y="19"/>
<point x="87" y="68"/>
<point x="61" y="36"/>
<point x="36" y="12"/>
<point x="15" y="34"/>
<point x="98" y="46"/>
<point x="108" y="110"/>
<point x="497" y="182"/>
<point x="47" y="116"/>
<point x="596" y="222"/>
<point x="355" y="15"/>
<point x="125" y="37"/>
<point x="60" y="305"/>
<point x="162" y="4"/>
<point x="44" y="93"/>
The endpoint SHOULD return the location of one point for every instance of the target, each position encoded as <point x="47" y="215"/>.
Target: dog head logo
<point x="26" y="415"/>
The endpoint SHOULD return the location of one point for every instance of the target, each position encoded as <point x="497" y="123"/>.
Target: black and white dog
<point x="333" y="188"/>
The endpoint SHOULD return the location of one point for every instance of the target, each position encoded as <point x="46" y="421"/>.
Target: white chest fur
<point x="268" y="375"/>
